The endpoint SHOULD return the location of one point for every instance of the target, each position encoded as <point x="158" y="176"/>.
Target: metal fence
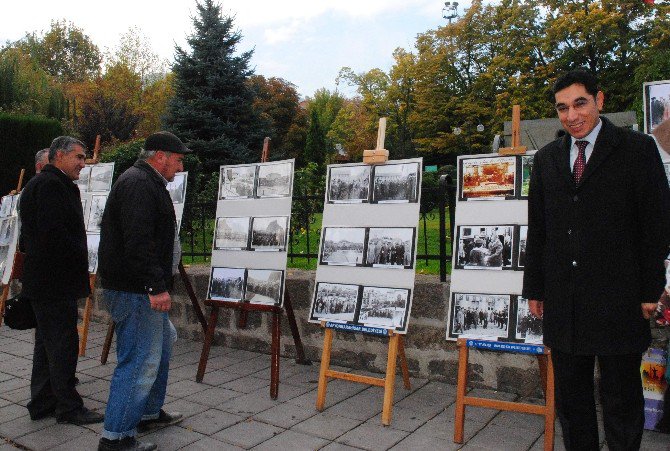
<point x="198" y="224"/>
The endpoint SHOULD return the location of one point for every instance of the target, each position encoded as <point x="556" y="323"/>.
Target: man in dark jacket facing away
<point x="55" y="276"/>
<point x="598" y="232"/>
<point x="136" y="265"/>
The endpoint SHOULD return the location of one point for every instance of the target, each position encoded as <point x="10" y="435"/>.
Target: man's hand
<point x="648" y="309"/>
<point x="160" y="302"/>
<point x="536" y="308"/>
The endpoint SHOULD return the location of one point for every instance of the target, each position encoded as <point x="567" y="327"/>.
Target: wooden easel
<point x="547" y="410"/>
<point x="517" y="148"/>
<point x="244" y="309"/>
<point x="17" y="263"/>
<point x="396" y="348"/>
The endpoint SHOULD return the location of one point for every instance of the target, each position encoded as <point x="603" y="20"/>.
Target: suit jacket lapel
<point x="605" y="144"/>
<point x="561" y="156"/>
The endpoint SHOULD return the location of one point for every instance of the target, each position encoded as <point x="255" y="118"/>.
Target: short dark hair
<point x="577" y="76"/>
<point x="65" y="144"/>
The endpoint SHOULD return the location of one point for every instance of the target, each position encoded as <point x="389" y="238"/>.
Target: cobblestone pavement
<point x="232" y="409"/>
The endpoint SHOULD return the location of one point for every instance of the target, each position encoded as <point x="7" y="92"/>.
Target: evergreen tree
<point x="212" y="108"/>
<point x="315" y="145"/>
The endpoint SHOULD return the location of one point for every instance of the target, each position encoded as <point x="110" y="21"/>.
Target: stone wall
<point x="429" y="354"/>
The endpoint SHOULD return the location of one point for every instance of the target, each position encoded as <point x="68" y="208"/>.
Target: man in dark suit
<point x="598" y="231"/>
<point x="56" y="275"/>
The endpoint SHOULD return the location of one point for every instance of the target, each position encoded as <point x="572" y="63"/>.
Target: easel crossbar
<point x="369" y="380"/>
<point x="505" y="405"/>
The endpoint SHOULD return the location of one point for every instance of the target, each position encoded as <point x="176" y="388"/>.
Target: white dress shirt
<point x="591" y="138"/>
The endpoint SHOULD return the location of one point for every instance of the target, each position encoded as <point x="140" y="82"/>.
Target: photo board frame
<point x="367" y="252"/>
<point x="95" y="183"/>
<point x="250" y="242"/>
<point x="485" y="300"/>
<point x="177" y="189"/>
<point x="656" y="96"/>
<point x="10" y="225"/>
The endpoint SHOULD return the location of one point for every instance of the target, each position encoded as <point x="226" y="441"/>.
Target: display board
<point x="9" y="235"/>
<point x="367" y="254"/>
<point x="656" y="95"/>
<point x="177" y="190"/>
<point x="95" y="183"/>
<point x="253" y="218"/>
<point x="490" y="230"/>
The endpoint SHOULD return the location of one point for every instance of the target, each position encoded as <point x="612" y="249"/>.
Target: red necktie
<point x="580" y="162"/>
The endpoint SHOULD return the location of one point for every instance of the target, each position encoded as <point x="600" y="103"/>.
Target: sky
<point x="303" y="41"/>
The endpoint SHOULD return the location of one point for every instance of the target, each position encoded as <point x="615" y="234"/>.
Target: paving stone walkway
<point x="232" y="409"/>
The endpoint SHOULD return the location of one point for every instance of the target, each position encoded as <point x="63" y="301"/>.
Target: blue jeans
<point x="143" y="346"/>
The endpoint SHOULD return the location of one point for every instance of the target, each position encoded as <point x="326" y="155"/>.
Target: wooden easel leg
<point x="403" y="362"/>
<point x="299" y="349"/>
<point x="274" y="362"/>
<point x="325" y="365"/>
<point x="389" y="380"/>
<point x="3" y="299"/>
<point x="83" y="336"/>
<point x="108" y="342"/>
<point x="460" y="390"/>
<point x="192" y="296"/>
<point x="542" y="364"/>
<point x="550" y="415"/>
<point x="207" y="343"/>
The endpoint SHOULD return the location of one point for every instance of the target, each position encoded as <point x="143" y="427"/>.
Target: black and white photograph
<point x="84" y="177"/>
<point x="264" y="286"/>
<point x="232" y="233"/>
<point x="528" y="326"/>
<point x="656" y="104"/>
<point x="237" y="182"/>
<point x="490" y="178"/>
<point x="335" y="302"/>
<point x="396" y="183"/>
<point x="101" y="177"/>
<point x="95" y="213"/>
<point x="275" y="179"/>
<point x="92" y="241"/>
<point x="384" y="307"/>
<point x="6" y="206"/>
<point x="84" y="203"/>
<point x="484" y="247"/>
<point x="4" y="252"/>
<point x="390" y="247"/>
<point x="523" y="234"/>
<point x="343" y="246"/>
<point x="227" y="284"/>
<point x="349" y="184"/>
<point x="6" y="228"/>
<point x="483" y="316"/>
<point x="15" y="204"/>
<point x="178" y="226"/>
<point x="177" y="188"/>
<point x="268" y="233"/>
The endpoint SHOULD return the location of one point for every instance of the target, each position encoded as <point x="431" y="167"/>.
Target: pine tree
<point x="212" y="109"/>
<point x="315" y="145"/>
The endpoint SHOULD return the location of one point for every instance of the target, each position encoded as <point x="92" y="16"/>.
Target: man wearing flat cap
<point x="137" y="260"/>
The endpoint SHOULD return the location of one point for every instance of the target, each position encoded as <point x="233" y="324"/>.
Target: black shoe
<point x="126" y="443"/>
<point x="42" y="414"/>
<point x="81" y="417"/>
<point x="164" y="419"/>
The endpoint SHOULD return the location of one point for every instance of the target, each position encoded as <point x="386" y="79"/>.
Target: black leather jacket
<point x="137" y="233"/>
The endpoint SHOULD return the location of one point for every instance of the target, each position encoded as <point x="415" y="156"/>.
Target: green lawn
<point x="428" y="243"/>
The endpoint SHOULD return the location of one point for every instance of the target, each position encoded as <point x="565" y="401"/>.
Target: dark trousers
<point x="54" y="359"/>
<point x="620" y="396"/>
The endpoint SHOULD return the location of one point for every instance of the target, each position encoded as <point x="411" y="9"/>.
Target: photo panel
<point x="264" y="286"/>
<point x="232" y="233"/>
<point x="84" y="177"/>
<point x="334" y="302"/>
<point x="84" y="204"/>
<point x="349" y="184"/>
<point x="521" y="255"/>
<point x="92" y="242"/>
<point x="95" y="213"/>
<point x="6" y="228"/>
<point x="483" y="316"/>
<point x="484" y="247"/>
<point x="390" y="247"/>
<point x="15" y="204"/>
<point x="237" y="182"/>
<point x="343" y="246"/>
<point x="227" y="284"/>
<point x="6" y="206"/>
<point x="275" y="179"/>
<point x="4" y="254"/>
<point x="656" y="104"/>
<point x="178" y="226"/>
<point x="101" y="178"/>
<point x="396" y="183"/>
<point x="526" y="171"/>
<point x="177" y="188"/>
<point x="384" y="307"/>
<point x="268" y="233"/>
<point x="488" y="178"/>
<point x="528" y="326"/>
